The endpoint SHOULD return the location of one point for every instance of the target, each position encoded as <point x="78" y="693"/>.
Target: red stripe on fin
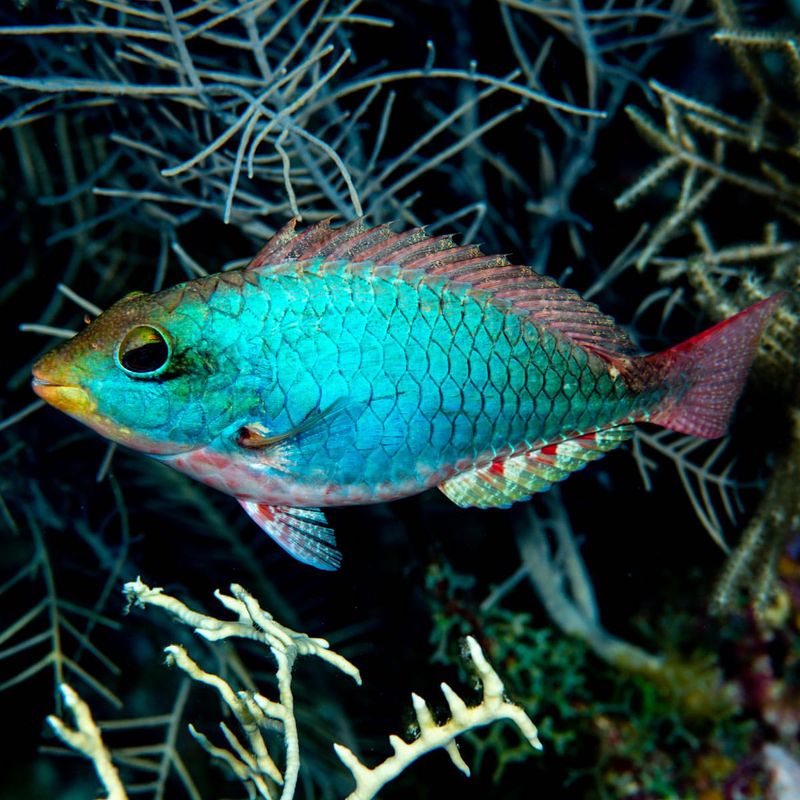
<point x="289" y="245"/>
<point x="273" y="251"/>
<point x="537" y="297"/>
<point x="707" y="372"/>
<point x="417" y="247"/>
<point x="359" y="246"/>
<point x="497" y="467"/>
<point x="506" y="481"/>
<point x="301" y="532"/>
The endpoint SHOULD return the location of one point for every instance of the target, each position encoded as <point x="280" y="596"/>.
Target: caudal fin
<point x="713" y="365"/>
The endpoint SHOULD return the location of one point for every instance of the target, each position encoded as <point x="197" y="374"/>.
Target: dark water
<point x="84" y="203"/>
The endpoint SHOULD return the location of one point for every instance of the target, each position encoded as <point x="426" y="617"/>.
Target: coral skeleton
<point x="250" y="760"/>
<point x="86" y="738"/>
<point x="755" y="154"/>
<point x="433" y="736"/>
<point x="562" y="582"/>
<point x="255" y="713"/>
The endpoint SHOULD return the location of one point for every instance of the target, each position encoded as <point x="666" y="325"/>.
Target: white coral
<point x="85" y="737"/>
<point x="251" y="763"/>
<point x="492" y="708"/>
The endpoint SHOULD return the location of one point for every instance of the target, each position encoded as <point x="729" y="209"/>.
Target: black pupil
<point x="145" y="358"/>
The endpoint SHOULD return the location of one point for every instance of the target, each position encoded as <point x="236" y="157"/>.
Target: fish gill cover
<point x="149" y="143"/>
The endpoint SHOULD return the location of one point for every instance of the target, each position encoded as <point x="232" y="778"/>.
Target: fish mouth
<point x="71" y="399"/>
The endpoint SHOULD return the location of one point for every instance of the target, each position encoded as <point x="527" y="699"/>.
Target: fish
<point x="352" y="364"/>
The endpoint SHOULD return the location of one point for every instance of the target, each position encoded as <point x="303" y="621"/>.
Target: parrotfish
<point x="349" y="365"/>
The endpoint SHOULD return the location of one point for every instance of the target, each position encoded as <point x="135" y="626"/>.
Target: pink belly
<point x="265" y="484"/>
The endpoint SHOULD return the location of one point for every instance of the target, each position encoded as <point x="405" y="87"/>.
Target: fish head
<point x="140" y="374"/>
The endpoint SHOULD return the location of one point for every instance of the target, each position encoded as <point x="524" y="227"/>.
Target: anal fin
<point x="301" y="532"/>
<point x="508" y="480"/>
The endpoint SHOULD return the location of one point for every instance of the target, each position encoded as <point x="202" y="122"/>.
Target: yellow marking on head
<point x="72" y="400"/>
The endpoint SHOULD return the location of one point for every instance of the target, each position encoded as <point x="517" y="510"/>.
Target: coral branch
<point x="85" y="737"/>
<point x="252" y="765"/>
<point x="563" y="586"/>
<point x="250" y="714"/>
<point x="493" y="707"/>
<point x="253" y="623"/>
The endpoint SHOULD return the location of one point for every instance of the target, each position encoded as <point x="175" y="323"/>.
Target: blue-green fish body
<point x="355" y="365"/>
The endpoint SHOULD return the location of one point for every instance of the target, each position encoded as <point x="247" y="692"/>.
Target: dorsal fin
<point x="535" y="296"/>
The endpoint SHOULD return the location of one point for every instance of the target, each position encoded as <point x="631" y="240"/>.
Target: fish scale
<point x="445" y="397"/>
<point x="352" y="365"/>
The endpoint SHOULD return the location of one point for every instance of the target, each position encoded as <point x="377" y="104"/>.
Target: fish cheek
<point x="139" y="406"/>
<point x="193" y="386"/>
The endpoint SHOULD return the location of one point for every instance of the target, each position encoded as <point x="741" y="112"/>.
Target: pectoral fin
<point x="505" y="481"/>
<point x="255" y="436"/>
<point x="301" y="532"/>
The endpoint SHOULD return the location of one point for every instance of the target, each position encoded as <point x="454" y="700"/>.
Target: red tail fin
<point x="714" y="365"/>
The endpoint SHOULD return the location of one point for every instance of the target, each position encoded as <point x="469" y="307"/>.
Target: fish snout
<point x="48" y="373"/>
<point x="57" y="388"/>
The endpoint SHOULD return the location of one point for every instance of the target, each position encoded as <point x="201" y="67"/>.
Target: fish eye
<point x="143" y="352"/>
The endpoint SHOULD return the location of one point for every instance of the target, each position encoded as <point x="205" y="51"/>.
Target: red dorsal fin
<point x="289" y="245"/>
<point x="536" y="296"/>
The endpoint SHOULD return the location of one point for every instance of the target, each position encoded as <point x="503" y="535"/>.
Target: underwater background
<point x="644" y="614"/>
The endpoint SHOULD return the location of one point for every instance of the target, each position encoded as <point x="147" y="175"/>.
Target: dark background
<point x="651" y="563"/>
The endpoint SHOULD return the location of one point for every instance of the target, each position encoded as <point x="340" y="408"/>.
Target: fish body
<point x="393" y="384"/>
<point x="354" y="365"/>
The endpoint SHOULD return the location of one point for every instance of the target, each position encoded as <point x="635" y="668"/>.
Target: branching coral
<point x="559" y="576"/>
<point x="251" y="762"/>
<point x="264" y="126"/>
<point x="53" y="625"/>
<point x="754" y="154"/>
<point x="613" y="46"/>
<point x="751" y="568"/>
<point x="707" y="484"/>
<point x="86" y="738"/>
<point x="563" y="585"/>
<point x="254" y="767"/>
<point x="631" y="724"/>
<point x="432" y="736"/>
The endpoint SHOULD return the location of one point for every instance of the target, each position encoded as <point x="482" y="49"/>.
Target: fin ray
<point x="254" y="436"/>
<point x="707" y="372"/>
<point x="537" y="297"/>
<point x="514" y="478"/>
<point x="301" y="532"/>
